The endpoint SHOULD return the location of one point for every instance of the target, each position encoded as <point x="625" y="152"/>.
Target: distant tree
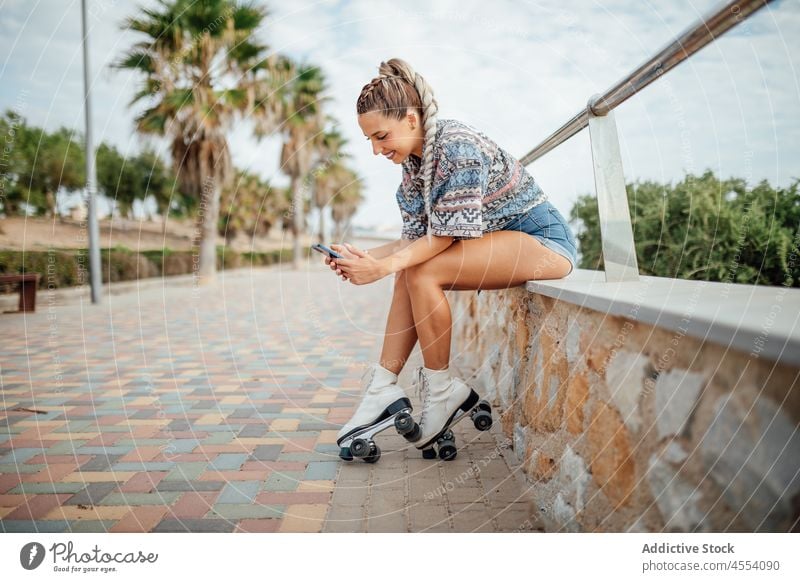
<point x="119" y="179"/>
<point x="161" y="183"/>
<point x="124" y="180"/>
<point x="706" y="229"/>
<point x="250" y="205"/>
<point x="301" y="99"/>
<point x="39" y="164"/>
<point x="329" y="175"/>
<point x="202" y="67"/>
<point x="59" y="163"/>
<point x="12" y="132"/>
<point x="345" y="203"/>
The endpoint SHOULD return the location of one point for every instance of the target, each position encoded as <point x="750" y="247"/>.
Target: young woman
<point x="473" y="218"/>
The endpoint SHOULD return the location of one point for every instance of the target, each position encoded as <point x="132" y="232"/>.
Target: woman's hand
<point x="331" y="262"/>
<point x="362" y="269"/>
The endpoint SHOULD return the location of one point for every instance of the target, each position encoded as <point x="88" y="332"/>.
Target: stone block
<point x="576" y="397"/>
<point x="504" y="379"/>
<point x="541" y="466"/>
<point x="752" y="450"/>
<point x="573" y="478"/>
<point x="676" y="396"/>
<point x="612" y="464"/>
<point x="508" y="421"/>
<point x="597" y="356"/>
<point x="564" y="516"/>
<point x="678" y="501"/>
<point x="521" y="331"/>
<point x="520" y="439"/>
<point x="674" y="453"/>
<point x="625" y="377"/>
<point x="573" y="341"/>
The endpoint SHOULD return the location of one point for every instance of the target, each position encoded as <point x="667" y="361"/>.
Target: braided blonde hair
<point x="396" y="89"/>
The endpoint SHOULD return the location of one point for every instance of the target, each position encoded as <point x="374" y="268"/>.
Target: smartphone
<point x="326" y="251"/>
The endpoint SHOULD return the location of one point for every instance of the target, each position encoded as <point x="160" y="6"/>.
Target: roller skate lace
<point x="421" y="384"/>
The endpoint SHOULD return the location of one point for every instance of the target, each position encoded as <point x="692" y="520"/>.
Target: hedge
<point x="62" y="267"/>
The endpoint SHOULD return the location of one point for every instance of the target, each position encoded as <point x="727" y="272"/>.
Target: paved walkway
<point x="216" y="409"/>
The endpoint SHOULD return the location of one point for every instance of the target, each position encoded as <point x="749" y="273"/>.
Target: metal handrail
<point x="694" y="38"/>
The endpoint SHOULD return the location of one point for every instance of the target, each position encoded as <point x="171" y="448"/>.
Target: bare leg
<point x="433" y="321"/>
<point x="497" y="260"/>
<point x="401" y="335"/>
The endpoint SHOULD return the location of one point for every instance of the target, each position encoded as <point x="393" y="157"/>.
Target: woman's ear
<point x="411" y="117"/>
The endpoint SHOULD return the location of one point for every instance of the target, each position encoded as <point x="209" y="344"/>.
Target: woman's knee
<point x="401" y="281"/>
<point x="419" y="275"/>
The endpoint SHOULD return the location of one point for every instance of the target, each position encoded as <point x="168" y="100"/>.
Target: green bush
<point x="57" y="268"/>
<point x="706" y="229"/>
<point x="69" y="267"/>
<point x="227" y="259"/>
<point x="170" y="262"/>
<point x="249" y="259"/>
<point x="177" y="263"/>
<point x="124" y="265"/>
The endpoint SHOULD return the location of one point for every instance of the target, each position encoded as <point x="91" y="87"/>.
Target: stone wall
<point x="622" y="426"/>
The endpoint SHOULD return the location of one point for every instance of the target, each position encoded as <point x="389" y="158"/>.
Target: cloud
<point x="515" y="70"/>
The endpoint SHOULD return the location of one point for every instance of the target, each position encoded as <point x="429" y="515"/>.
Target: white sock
<point x="437" y="377"/>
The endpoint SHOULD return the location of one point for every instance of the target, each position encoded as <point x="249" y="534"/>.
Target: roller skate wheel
<point x="482" y="420"/>
<point x="360" y="448"/>
<point x="404" y="423"/>
<point x="428" y="453"/>
<point x="345" y="454"/>
<point x="414" y="434"/>
<point x="447" y="452"/>
<point x="374" y="455"/>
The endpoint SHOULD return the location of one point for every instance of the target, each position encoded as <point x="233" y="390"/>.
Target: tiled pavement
<point x="215" y="409"/>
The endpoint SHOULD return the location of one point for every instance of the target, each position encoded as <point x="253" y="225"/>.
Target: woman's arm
<point x="366" y="268"/>
<point x="389" y="248"/>
<point x="416" y="252"/>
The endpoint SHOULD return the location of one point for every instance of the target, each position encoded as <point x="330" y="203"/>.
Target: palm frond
<point x="136" y="59"/>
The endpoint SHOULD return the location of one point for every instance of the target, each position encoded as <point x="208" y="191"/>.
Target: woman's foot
<point x="443" y="397"/>
<point x="381" y="392"/>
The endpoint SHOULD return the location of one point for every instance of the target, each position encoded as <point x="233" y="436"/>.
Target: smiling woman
<point x="488" y="226"/>
<point x="390" y="137"/>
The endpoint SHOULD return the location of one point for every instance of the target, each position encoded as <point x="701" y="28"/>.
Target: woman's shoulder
<point x="455" y="138"/>
<point x="450" y="129"/>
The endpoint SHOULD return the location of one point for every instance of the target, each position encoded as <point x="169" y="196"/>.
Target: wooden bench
<point x="27" y="289"/>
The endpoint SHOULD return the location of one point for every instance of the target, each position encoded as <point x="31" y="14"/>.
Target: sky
<point x="516" y="70"/>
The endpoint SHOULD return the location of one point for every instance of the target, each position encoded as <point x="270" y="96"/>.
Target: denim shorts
<point x="546" y="224"/>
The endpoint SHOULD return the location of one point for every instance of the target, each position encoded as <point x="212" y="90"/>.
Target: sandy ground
<point x="32" y="234"/>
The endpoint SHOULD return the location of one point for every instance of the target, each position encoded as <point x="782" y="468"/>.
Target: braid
<point x="430" y="109"/>
<point x="397" y="88"/>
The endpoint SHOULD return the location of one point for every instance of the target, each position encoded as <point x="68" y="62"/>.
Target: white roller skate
<point x="444" y="404"/>
<point x="383" y="405"/>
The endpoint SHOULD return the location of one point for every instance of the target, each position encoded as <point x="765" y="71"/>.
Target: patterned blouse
<point x="477" y="186"/>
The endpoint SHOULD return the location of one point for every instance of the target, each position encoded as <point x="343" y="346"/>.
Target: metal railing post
<point x="616" y="231"/>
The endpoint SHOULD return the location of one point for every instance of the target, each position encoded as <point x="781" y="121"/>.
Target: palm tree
<point x="202" y="68"/>
<point x="345" y="204"/>
<point x="329" y="174"/>
<point x="303" y="123"/>
<point x="249" y="205"/>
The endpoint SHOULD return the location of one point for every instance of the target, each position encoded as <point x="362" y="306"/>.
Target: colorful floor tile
<point x="215" y="408"/>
